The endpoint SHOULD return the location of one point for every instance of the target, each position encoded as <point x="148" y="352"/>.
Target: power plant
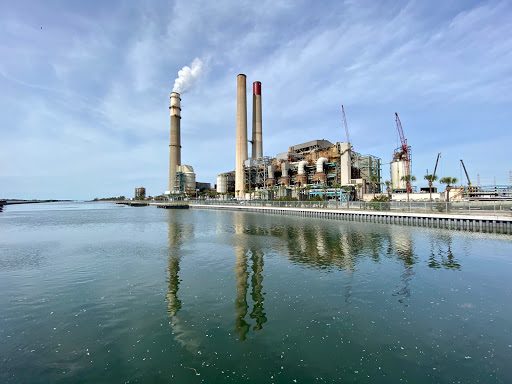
<point x="317" y="168"/>
<point x="321" y="167"/>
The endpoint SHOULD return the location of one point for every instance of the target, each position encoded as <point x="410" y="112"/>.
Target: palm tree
<point x="374" y="180"/>
<point x="336" y="186"/>
<point x="308" y="187"/>
<point x="358" y="186"/>
<point x="448" y="180"/>
<point x="408" y="180"/>
<point x="431" y="179"/>
<point x="388" y="188"/>
<point x="324" y="187"/>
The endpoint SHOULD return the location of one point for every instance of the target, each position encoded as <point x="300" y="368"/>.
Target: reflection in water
<point x="242" y="274"/>
<point x="257" y="287"/>
<point x="177" y="233"/>
<point x="316" y="245"/>
<point x="441" y="255"/>
<point x="404" y="249"/>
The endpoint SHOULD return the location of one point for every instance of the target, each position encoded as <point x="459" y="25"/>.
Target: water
<point x="95" y="292"/>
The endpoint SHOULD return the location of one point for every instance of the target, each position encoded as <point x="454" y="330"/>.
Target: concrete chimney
<point x="241" y="134"/>
<point x="175" y="143"/>
<point x="257" y="138"/>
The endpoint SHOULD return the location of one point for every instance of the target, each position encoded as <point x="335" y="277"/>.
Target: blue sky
<point x="84" y="86"/>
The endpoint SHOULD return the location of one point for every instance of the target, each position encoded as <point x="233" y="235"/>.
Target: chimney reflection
<point x="242" y="273"/>
<point x="174" y="235"/>
<point x="178" y="232"/>
<point x="257" y="287"/>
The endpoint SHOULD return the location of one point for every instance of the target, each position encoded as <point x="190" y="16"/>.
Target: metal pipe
<point x="302" y="164"/>
<point x="320" y="164"/>
<point x="241" y="134"/>
<point x="175" y="141"/>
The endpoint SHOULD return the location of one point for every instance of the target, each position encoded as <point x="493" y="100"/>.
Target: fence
<point x="472" y="207"/>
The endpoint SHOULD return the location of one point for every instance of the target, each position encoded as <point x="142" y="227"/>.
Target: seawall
<point x="470" y="222"/>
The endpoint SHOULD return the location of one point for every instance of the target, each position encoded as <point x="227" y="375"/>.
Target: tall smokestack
<point x="241" y="134"/>
<point x="175" y="143"/>
<point x="257" y="138"/>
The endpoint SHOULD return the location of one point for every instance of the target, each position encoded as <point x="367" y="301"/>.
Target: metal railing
<point x="462" y="207"/>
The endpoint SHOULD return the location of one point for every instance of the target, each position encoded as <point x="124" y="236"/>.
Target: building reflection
<point x="342" y="247"/>
<point x="404" y="250"/>
<point x="242" y="274"/>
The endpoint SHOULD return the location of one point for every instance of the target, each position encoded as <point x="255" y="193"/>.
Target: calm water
<point x="94" y="292"/>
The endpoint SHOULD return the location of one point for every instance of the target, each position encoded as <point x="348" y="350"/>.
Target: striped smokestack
<point x="257" y="138"/>
<point x="241" y="134"/>
<point x="175" y="143"/>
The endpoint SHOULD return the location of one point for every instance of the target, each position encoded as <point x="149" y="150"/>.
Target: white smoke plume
<point x="187" y="76"/>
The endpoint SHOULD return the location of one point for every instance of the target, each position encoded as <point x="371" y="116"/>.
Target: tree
<point x="408" y="180"/>
<point x="388" y="184"/>
<point x="374" y="180"/>
<point x="308" y="188"/>
<point x="448" y="180"/>
<point x="324" y="187"/>
<point x="358" y="186"/>
<point x="430" y="179"/>
<point x="336" y="186"/>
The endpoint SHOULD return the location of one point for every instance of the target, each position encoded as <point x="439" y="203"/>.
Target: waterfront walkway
<point x="480" y="221"/>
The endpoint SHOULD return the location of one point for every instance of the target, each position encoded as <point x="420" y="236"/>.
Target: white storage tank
<point x="397" y="171"/>
<point x="222" y="184"/>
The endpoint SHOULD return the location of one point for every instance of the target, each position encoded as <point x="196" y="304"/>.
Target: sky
<point x="85" y="87"/>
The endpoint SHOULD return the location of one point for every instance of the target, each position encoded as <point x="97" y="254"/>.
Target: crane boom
<point x="435" y="168"/>
<point x="403" y="140"/>
<point x="345" y="123"/>
<point x="406" y="155"/>
<point x="466" y="172"/>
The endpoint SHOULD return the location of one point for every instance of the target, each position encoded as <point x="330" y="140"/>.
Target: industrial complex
<point x="317" y="168"/>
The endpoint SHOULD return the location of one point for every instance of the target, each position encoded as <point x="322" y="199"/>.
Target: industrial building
<point x="140" y="193"/>
<point x="317" y="167"/>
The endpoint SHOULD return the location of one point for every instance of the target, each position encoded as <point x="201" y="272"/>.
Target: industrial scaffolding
<point x="369" y="166"/>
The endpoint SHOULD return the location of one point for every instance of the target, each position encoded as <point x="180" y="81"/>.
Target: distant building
<point x="140" y="193"/>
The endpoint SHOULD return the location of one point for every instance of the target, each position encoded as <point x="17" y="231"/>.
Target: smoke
<point x="187" y="76"/>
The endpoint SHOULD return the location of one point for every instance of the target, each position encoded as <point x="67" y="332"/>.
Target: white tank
<point x="190" y="179"/>
<point x="271" y="170"/>
<point x="222" y="184"/>
<point x="397" y="171"/>
<point x="284" y="169"/>
<point x="320" y="164"/>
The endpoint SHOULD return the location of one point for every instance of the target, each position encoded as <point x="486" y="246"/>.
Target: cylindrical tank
<point x="190" y="179"/>
<point x="271" y="170"/>
<point x="222" y="184"/>
<point x="302" y="165"/>
<point x="320" y="164"/>
<point x="397" y="171"/>
<point x="241" y="134"/>
<point x="175" y="142"/>
<point x="284" y="169"/>
<point x="257" y="136"/>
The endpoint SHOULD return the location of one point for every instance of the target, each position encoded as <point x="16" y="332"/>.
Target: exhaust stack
<point x="257" y="138"/>
<point x="241" y="134"/>
<point x="175" y="143"/>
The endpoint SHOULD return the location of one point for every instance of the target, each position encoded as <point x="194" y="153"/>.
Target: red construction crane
<point x="406" y="154"/>
<point x="345" y="122"/>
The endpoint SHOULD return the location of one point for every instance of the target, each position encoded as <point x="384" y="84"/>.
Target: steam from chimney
<point x="187" y="76"/>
